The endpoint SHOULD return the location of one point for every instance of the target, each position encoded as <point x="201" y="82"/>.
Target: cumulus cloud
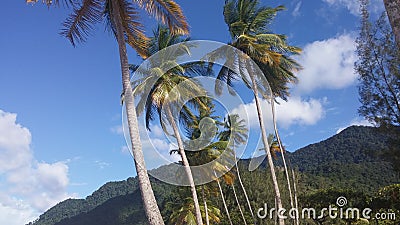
<point x="353" y="6"/>
<point x="327" y="64"/>
<point x="300" y="111"/>
<point x="355" y="122"/>
<point x="30" y="187"/>
<point x="295" y="111"/>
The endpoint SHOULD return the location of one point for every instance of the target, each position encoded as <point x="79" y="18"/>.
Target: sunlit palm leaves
<point x="185" y="215"/>
<point x="87" y="13"/>
<point x="165" y="90"/>
<point x="249" y="28"/>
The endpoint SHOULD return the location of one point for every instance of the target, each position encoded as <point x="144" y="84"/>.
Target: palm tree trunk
<point x="266" y="147"/>
<point x="186" y="166"/>
<point x="223" y="199"/>
<point x="282" y="152"/>
<point x="205" y="205"/>
<point x="237" y="202"/>
<point x="393" y="12"/>
<point x="242" y="186"/>
<point x="295" y="197"/>
<point x="149" y="201"/>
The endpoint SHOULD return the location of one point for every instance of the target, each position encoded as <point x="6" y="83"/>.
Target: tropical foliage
<point x="347" y="151"/>
<point x="166" y="94"/>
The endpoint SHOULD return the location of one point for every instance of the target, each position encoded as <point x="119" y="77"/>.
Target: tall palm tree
<point x="122" y="17"/>
<point x="223" y="198"/>
<point x="296" y="204"/>
<point x="183" y="215"/>
<point x="393" y="12"/>
<point x="238" y="203"/>
<point x="236" y="131"/>
<point x="282" y="151"/>
<point x="212" y="153"/>
<point x="249" y="29"/>
<point x="165" y="91"/>
<point x="205" y="206"/>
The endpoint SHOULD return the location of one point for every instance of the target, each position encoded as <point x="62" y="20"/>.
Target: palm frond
<point x="79" y="24"/>
<point x="133" y="28"/>
<point x="169" y="12"/>
<point x="262" y="19"/>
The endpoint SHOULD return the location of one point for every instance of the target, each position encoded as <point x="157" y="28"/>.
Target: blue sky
<point x="60" y="112"/>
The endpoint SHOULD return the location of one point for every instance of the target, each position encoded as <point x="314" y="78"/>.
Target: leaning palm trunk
<point x="186" y="166"/>
<point x="295" y="197"/>
<point x="265" y="142"/>
<point x="282" y="152"/>
<point x="237" y="202"/>
<point x="393" y="12"/>
<point x="205" y="205"/>
<point x="242" y="186"/>
<point x="223" y="199"/>
<point x="149" y="202"/>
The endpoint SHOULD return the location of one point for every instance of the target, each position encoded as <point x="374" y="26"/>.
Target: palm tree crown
<point x="87" y="13"/>
<point x="167" y="91"/>
<point x="249" y="29"/>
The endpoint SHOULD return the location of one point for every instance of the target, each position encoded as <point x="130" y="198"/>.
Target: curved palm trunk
<point x="149" y="201"/>
<point x="282" y="152"/>
<point x="205" y="205"/>
<point x="244" y="190"/>
<point x="295" y="197"/>
<point x="237" y="202"/>
<point x="265" y="142"/>
<point x="223" y="199"/>
<point x="393" y="12"/>
<point x="185" y="162"/>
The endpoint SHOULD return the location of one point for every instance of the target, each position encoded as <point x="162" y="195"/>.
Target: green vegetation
<point x="371" y="182"/>
<point x="359" y="163"/>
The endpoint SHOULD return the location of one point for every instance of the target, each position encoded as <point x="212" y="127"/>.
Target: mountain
<point x="352" y="159"/>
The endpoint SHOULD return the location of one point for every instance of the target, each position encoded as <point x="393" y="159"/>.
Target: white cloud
<point x="353" y="6"/>
<point x="296" y="10"/>
<point x="18" y="215"/>
<point x="327" y="64"/>
<point x="299" y="111"/>
<point x="355" y="122"/>
<point x="30" y="187"/>
<point x="294" y="111"/>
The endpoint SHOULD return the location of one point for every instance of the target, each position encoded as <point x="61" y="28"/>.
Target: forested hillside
<point x="349" y="163"/>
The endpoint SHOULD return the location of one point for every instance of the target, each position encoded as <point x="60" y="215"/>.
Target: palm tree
<point x="393" y="12"/>
<point x="248" y="26"/>
<point x="296" y="204"/>
<point x="165" y="91"/>
<point x="205" y="206"/>
<point x="238" y="203"/>
<point x="122" y="18"/>
<point x="223" y="198"/>
<point x="184" y="215"/>
<point x="282" y="151"/>
<point x="236" y="131"/>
